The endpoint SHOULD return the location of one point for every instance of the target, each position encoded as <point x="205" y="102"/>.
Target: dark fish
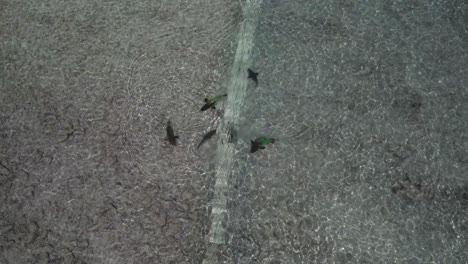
<point x="206" y="137"/>
<point x="170" y="134"/>
<point x="260" y="143"/>
<point x="253" y="75"/>
<point x="210" y="103"/>
<point x="255" y="146"/>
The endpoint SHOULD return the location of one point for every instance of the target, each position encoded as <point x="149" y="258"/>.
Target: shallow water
<point x="366" y="100"/>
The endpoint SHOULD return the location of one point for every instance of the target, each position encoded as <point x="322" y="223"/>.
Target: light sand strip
<point x="237" y="90"/>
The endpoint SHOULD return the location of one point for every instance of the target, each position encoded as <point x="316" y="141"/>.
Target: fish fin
<point x="252" y="74"/>
<point x="213" y="107"/>
<point x="261" y="147"/>
<point x="206" y="100"/>
<point x="272" y="140"/>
